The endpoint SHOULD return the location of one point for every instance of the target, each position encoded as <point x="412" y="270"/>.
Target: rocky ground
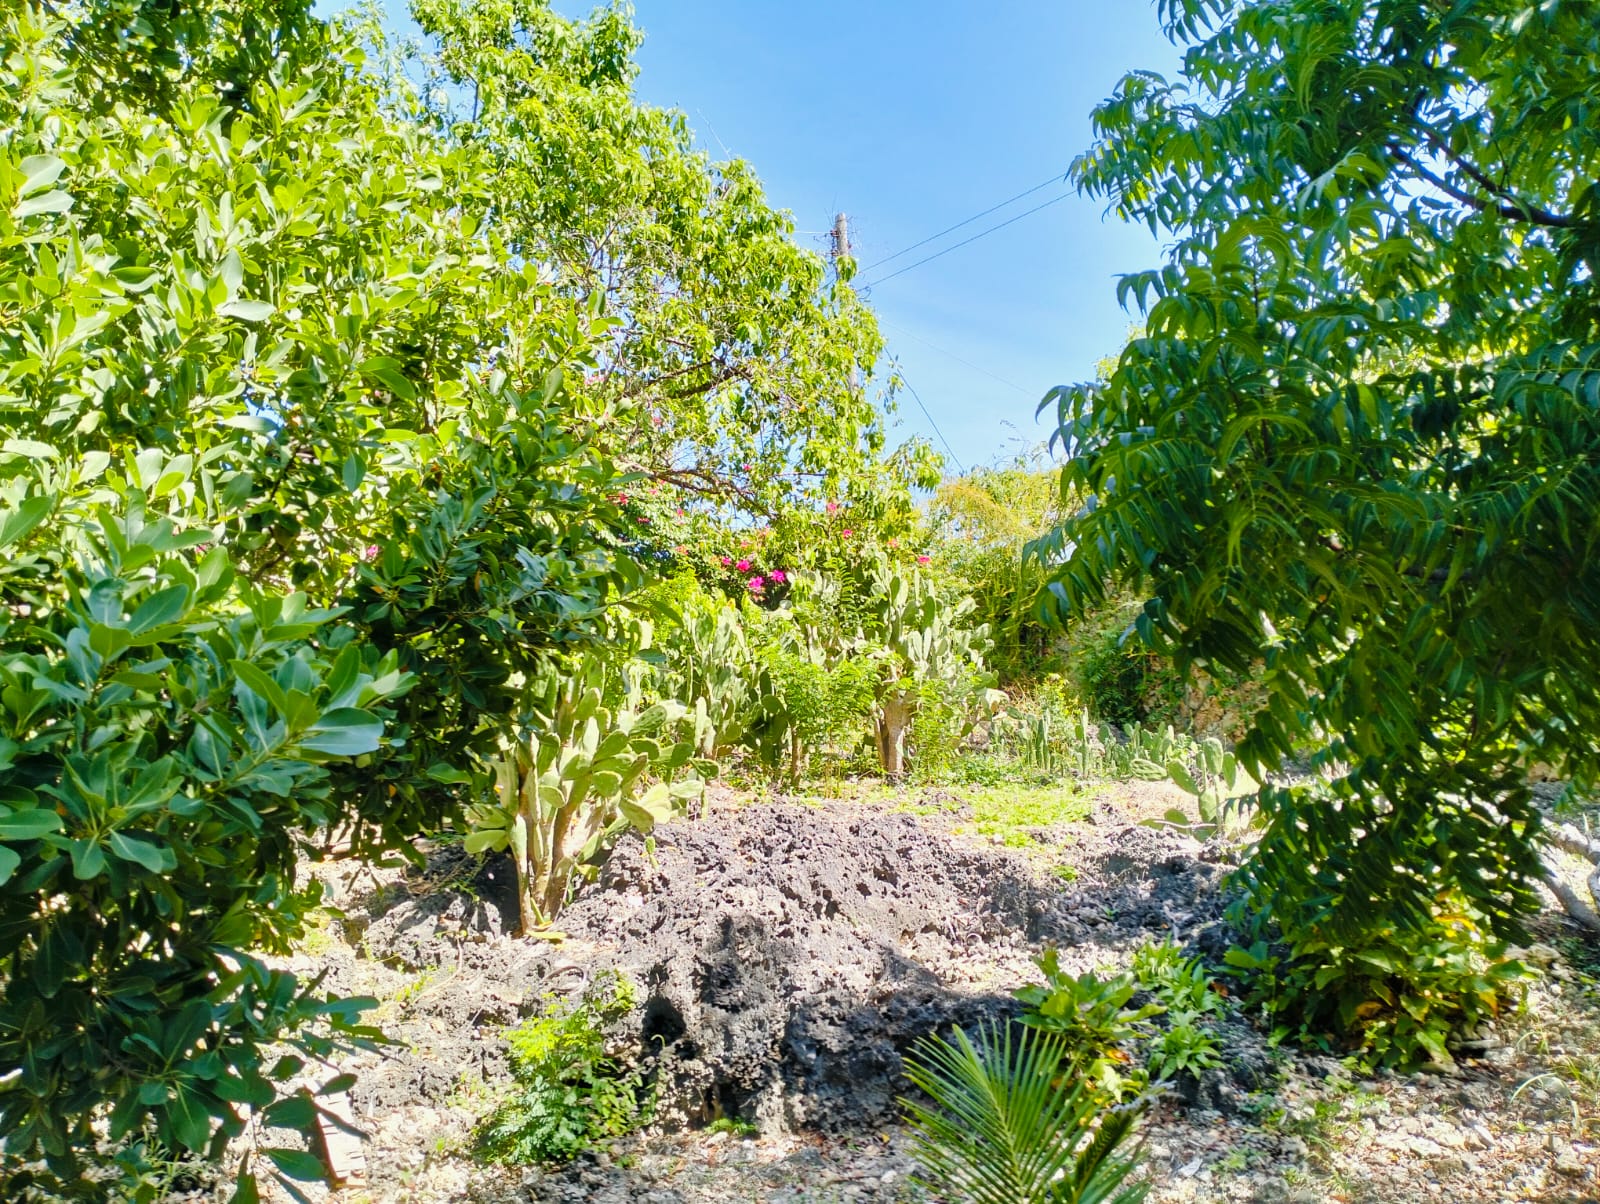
<point x="787" y="955"/>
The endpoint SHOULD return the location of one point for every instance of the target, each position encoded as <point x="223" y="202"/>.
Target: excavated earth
<point x="785" y="958"/>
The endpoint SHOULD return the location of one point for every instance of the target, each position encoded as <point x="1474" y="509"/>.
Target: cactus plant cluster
<point x="1212" y="774"/>
<point x="923" y="639"/>
<point x="579" y="776"/>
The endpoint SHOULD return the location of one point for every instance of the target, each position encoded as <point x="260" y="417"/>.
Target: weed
<point x="1179" y="983"/>
<point x="568" y="1092"/>
<point x="1393" y="998"/>
<point x="1014" y="813"/>
<point x="732" y="1126"/>
<point x="320" y="934"/>
<point x="1092" y="1014"/>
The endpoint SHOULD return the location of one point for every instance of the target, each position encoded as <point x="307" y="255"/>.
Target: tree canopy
<point x="321" y="403"/>
<point x="1360" y="435"/>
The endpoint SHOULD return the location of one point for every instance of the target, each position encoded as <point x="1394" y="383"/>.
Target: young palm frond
<point x="1004" y="1131"/>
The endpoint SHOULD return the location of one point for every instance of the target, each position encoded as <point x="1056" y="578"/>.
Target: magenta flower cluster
<point x="757" y="582"/>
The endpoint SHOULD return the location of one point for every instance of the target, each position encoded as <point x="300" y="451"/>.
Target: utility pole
<point x="841" y="248"/>
<point x="841" y="236"/>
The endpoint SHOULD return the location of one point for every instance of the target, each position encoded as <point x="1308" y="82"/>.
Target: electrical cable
<point x="966" y="241"/>
<point x="1010" y="384"/>
<point x="967" y="222"/>
<point x="912" y="389"/>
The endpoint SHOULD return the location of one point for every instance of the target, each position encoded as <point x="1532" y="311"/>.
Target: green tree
<point x="311" y="456"/>
<point x="288" y="471"/>
<point x="980" y="524"/>
<point x="743" y="363"/>
<point x="1360" y="436"/>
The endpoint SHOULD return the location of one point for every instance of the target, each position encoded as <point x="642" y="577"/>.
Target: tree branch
<point x="1513" y="209"/>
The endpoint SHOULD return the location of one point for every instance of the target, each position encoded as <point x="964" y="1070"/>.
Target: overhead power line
<point x="966" y="222"/>
<point x="1010" y="384"/>
<point x="912" y="389"/>
<point x="967" y="241"/>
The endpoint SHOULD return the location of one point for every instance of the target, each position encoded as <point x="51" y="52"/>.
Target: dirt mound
<point x="786" y="956"/>
<point x="789" y="957"/>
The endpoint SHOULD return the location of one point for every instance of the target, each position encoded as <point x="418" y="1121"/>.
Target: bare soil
<point x="787" y="956"/>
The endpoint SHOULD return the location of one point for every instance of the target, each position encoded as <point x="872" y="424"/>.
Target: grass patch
<point x="1014" y="813"/>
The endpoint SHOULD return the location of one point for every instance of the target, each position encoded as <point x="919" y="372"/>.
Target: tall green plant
<point x="575" y="780"/>
<point x="1358" y="437"/>
<point x="923" y="639"/>
<point x="166" y="735"/>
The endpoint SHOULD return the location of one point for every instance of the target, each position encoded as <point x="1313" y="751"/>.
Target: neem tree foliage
<point x="1360" y="439"/>
<point x="314" y="431"/>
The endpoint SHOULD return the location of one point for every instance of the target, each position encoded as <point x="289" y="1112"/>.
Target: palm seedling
<point x="1004" y="1129"/>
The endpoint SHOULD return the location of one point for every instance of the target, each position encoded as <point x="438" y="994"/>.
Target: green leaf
<point x="31" y="448"/>
<point x="485" y="840"/>
<point x="191" y="1123"/>
<point x="247" y="311"/>
<point x="29" y="825"/>
<point x="162" y="607"/>
<point x="9" y="861"/>
<point x="14" y="524"/>
<point x="261" y="684"/>
<point x="292" y="1112"/>
<point x="39" y="172"/>
<point x="387" y="372"/>
<point x="297" y="1164"/>
<point x="45" y="202"/>
<point x="140" y="849"/>
<point x="88" y="859"/>
<point x="346" y="732"/>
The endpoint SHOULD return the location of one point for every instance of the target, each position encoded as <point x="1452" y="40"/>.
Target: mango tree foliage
<point x="1360" y="435"/>
<point x="289" y="478"/>
<point x="743" y="361"/>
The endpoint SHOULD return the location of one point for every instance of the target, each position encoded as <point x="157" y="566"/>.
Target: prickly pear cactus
<point x="576" y="779"/>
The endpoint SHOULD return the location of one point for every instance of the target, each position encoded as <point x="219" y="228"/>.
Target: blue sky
<point x="911" y="117"/>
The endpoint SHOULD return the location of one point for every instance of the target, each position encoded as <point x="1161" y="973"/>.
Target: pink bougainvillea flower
<point x="727" y="560"/>
<point x="372" y="551"/>
<point x="749" y="467"/>
<point x="894" y="543"/>
<point x="681" y="512"/>
<point x="779" y="576"/>
<point x="644" y="519"/>
<point x="756" y="583"/>
<point x="743" y="566"/>
<point x="848" y="532"/>
<point x="833" y="507"/>
<point x="679" y="549"/>
<point x="924" y="559"/>
<point x="622" y="499"/>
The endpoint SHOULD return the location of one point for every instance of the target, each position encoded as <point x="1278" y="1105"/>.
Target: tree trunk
<point x="894" y="717"/>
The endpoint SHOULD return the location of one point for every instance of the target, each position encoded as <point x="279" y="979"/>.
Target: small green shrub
<point x="1092" y="1016"/>
<point x="1185" y="1046"/>
<point x="1179" y="983"/>
<point x="568" y="1092"/>
<point x="1004" y="1130"/>
<point x="1188" y="995"/>
<point x="1122" y="681"/>
<point x="1393" y="998"/>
